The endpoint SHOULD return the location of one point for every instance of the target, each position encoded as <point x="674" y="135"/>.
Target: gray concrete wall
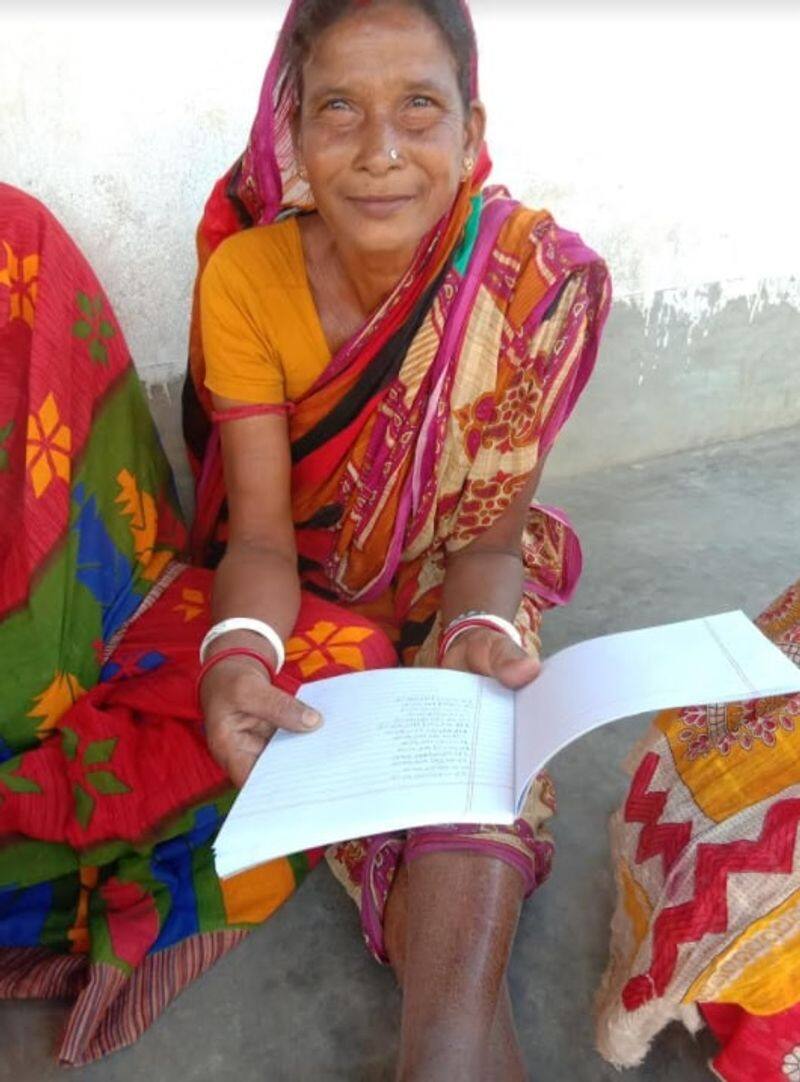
<point x="665" y="381"/>
<point x="668" y="381"/>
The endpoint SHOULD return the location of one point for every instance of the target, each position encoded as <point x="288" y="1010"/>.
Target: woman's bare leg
<point x="449" y="926"/>
<point x="505" y="1055"/>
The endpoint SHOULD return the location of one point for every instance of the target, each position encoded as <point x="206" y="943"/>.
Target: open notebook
<point x="410" y="747"/>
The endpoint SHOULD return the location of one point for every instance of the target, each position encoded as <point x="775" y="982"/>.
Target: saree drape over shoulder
<point x="403" y="455"/>
<point x="412" y="442"/>
<point x="425" y="425"/>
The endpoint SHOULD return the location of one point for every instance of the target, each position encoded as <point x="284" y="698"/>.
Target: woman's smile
<point x="380" y="206"/>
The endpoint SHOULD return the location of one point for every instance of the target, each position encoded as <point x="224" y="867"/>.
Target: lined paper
<point x="410" y="747"/>
<point x="398" y="748"/>
<point x="714" y="659"/>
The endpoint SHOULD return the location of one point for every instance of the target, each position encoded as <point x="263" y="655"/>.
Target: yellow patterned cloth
<point x="707" y="924"/>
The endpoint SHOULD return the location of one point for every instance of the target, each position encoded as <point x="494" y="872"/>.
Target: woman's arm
<point x="258" y="574"/>
<point x="487" y="575"/>
<point x="257" y="578"/>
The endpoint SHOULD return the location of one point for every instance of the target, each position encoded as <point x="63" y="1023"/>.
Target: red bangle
<point x="241" y="413"/>
<point x="233" y="651"/>
<point x="455" y="629"/>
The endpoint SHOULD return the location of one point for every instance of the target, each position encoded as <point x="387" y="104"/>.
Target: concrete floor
<point x="665" y="540"/>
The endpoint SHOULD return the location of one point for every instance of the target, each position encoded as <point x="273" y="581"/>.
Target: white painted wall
<point x="669" y="141"/>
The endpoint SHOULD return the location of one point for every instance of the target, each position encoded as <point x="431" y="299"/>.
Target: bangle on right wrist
<point x="246" y="623"/>
<point x="222" y="655"/>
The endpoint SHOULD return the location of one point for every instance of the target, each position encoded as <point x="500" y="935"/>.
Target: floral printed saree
<point x="413" y="441"/>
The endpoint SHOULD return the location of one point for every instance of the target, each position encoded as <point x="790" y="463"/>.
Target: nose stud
<point x="394" y="155"/>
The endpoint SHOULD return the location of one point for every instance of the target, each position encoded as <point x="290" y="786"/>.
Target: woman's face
<point x="379" y="80"/>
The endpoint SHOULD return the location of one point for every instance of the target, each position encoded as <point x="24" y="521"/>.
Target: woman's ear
<point x="474" y="129"/>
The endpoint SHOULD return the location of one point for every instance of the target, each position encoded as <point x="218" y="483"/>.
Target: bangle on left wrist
<point x="471" y="620"/>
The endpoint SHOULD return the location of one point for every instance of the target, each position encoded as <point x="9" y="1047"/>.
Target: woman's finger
<point x="494" y="654"/>
<point x="275" y="708"/>
<point x="246" y="691"/>
<point x="518" y="670"/>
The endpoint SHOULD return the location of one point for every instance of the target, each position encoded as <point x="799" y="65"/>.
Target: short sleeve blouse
<point x="262" y="338"/>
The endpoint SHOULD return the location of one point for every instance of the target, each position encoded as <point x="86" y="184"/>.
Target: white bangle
<point x="453" y="630"/>
<point x="244" y="623"/>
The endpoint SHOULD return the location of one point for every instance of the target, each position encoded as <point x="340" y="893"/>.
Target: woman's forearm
<point x="489" y="580"/>
<point x="258" y="582"/>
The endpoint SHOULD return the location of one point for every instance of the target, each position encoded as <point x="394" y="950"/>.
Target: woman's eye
<point x="336" y="104"/>
<point x="419" y="101"/>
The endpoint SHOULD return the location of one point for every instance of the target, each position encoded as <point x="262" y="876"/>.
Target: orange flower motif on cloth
<point x="191" y="604"/>
<point x="140" y="508"/>
<point x="21" y="275"/>
<point x="55" y="700"/>
<point x="325" y="644"/>
<point x="49" y="446"/>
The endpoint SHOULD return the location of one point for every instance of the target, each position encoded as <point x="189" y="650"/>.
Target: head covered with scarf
<point x="426" y="423"/>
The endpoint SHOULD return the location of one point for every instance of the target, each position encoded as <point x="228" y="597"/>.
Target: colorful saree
<point x="708" y="876"/>
<point x="420" y="432"/>
<point x="413" y="442"/>
<point x="109" y="798"/>
<point x="426" y="424"/>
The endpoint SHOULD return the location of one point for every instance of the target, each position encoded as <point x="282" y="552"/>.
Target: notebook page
<point x="721" y="658"/>
<point x="399" y="748"/>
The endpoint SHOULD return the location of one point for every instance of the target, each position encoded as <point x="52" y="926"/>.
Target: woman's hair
<point x="315" y="16"/>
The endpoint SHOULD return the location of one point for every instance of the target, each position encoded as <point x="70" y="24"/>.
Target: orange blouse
<point x="262" y="337"/>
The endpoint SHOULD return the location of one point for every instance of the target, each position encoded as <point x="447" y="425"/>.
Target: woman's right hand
<point x="243" y="710"/>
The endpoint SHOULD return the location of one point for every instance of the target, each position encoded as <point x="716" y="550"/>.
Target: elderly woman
<point x="382" y="354"/>
<point x="390" y="352"/>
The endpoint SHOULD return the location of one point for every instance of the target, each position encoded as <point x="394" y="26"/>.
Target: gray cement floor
<point x="677" y="537"/>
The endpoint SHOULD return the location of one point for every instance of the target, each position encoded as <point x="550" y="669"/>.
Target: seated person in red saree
<point x="383" y="351"/>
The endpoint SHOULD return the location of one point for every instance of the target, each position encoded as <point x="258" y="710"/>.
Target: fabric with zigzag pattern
<point x="707" y="856"/>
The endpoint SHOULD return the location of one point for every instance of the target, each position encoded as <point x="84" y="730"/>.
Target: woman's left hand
<point x="488" y="652"/>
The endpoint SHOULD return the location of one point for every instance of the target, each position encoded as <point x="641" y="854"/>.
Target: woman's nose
<point x="379" y="150"/>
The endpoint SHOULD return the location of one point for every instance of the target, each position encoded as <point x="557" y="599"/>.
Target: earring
<point x="469" y="165"/>
<point x="301" y="172"/>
